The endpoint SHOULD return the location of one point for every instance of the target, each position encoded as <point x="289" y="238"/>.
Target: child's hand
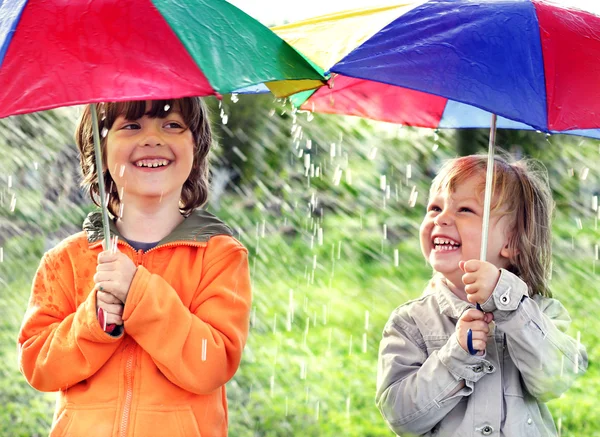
<point x="480" y="279"/>
<point x="478" y="322"/>
<point x="113" y="308"/>
<point x="114" y="274"/>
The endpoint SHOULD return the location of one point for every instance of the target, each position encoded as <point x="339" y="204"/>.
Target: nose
<point x="444" y="218"/>
<point x="152" y="136"/>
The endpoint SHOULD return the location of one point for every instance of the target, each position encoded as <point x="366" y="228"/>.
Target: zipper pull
<point x="140" y="254"/>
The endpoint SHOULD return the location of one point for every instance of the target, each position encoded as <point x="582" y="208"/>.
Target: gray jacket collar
<point x="450" y="304"/>
<point x="200" y="226"/>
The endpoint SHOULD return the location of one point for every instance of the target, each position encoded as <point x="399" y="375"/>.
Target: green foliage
<point x="323" y="245"/>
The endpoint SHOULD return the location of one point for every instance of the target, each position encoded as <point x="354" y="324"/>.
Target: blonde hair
<point x="520" y="190"/>
<point x="194" y="192"/>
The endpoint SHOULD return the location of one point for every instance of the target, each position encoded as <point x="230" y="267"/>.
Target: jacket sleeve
<point x="60" y="344"/>
<point x="416" y="391"/>
<point x="199" y="348"/>
<point x="548" y="359"/>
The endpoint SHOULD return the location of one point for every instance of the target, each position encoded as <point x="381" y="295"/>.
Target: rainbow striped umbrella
<point x="58" y="53"/>
<point x="55" y="53"/>
<point x="452" y="63"/>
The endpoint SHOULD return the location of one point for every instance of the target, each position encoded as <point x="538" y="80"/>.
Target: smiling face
<point x="150" y="158"/>
<point x="451" y="230"/>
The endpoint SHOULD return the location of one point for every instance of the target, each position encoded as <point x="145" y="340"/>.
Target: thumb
<point x="461" y="265"/>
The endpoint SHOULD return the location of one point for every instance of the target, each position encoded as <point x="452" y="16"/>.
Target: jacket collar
<point x="199" y="226"/>
<point x="450" y="304"/>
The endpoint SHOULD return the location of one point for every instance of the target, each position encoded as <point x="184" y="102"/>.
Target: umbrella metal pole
<point x="100" y="173"/>
<point x="489" y="179"/>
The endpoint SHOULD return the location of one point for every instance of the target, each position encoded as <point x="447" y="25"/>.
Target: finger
<point x="107" y="298"/>
<point x="488" y="317"/>
<point x="113" y="319"/>
<point x="104" y="276"/>
<point x="111" y="308"/>
<point x="106" y="267"/>
<point x="106" y="256"/>
<point x="479" y="326"/>
<point x="472" y="265"/>
<point x="471" y="314"/>
<point x="461" y="265"/>
<point x="472" y="288"/>
<point x="469" y="278"/>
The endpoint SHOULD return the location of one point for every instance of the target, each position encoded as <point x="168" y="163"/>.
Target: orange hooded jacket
<point x="185" y="326"/>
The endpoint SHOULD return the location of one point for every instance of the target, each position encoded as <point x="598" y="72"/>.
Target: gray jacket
<point x="528" y="360"/>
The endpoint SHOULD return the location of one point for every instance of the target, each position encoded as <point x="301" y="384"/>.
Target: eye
<point x="175" y="125"/>
<point x="465" y="209"/>
<point x="434" y="208"/>
<point x="130" y="126"/>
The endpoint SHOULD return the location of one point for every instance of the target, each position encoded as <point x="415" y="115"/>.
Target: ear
<point x="507" y="251"/>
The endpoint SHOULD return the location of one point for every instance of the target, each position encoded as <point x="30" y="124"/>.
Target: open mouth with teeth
<point x="445" y="244"/>
<point x="152" y="163"/>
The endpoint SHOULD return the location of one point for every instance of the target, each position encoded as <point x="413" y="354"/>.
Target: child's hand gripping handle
<point x="101" y="313"/>
<point x="472" y="350"/>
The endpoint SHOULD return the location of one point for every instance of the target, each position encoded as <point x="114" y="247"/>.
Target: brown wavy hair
<point x="195" y="190"/>
<point x="520" y="190"/>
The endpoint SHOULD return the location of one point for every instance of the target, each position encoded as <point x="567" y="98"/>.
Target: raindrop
<point x="309" y="116"/>
<point x="337" y="176"/>
<point x="204" y="345"/>
<point x="13" y="203"/>
<point x="584" y="173"/>
<point x="303" y="370"/>
<point x="373" y="153"/>
<point x="595" y="203"/>
<point x="382" y="183"/>
<point x="167" y="107"/>
<point x="385" y="232"/>
<point x="579" y="224"/>
<point x="306" y="162"/>
<point x="317" y="411"/>
<point x="271" y="112"/>
<point x="122" y="170"/>
<point x="435" y="147"/>
<point x="35" y="165"/>
<point x="308" y="144"/>
<point x="1" y="254"/>
<point x="366" y="320"/>
<point x="396" y="258"/>
<point x="10" y="182"/>
<point x="104" y="132"/>
<point x="225" y="119"/>
<point x="576" y="362"/>
<point x="364" y="343"/>
<point x="320" y="236"/>
<point x="571" y="172"/>
<point x="408" y="172"/>
<point x="239" y="153"/>
<point x="348" y="407"/>
<point x="234" y="97"/>
<point x="332" y="150"/>
<point x="413" y="197"/>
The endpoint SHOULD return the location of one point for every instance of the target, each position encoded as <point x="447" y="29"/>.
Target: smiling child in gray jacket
<point x="447" y="368"/>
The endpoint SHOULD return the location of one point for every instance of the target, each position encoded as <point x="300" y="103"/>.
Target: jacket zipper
<point x="128" y="391"/>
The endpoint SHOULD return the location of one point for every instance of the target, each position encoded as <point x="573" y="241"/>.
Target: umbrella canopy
<point x="450" y="64"/>
<point x="57" y="53"/>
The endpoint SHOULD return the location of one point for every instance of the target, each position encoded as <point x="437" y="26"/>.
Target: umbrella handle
<point x="100" y="174"/>
<point x="472" y="351"/>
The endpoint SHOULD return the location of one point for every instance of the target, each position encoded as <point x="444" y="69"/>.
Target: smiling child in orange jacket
<point x="177" y="289"/>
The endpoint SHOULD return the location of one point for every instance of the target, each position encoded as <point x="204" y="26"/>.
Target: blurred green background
<point x="333" y="239"/>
